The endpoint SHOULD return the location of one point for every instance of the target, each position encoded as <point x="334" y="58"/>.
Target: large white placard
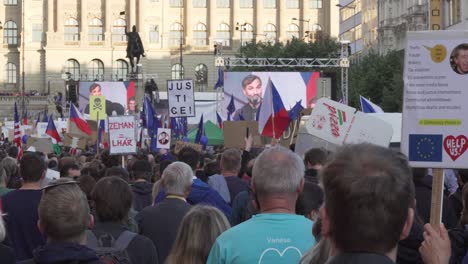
<point x="181" y="99"/>
<point x="340" y="124"/>
<point x="435" y="120"/>
<point x="122" y="134"/>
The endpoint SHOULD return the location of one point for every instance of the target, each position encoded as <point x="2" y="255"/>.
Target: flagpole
<point x="273" y="109"/>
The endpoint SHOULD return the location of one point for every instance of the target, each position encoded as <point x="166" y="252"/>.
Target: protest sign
<point x="163" y="138"/>
<point x="74" y="142"/>
<point x="122" y="134"/>
<point x="97" y="105"/>
<point x="236" y="131"/>
<point x="341" y="124"/>
<point x="180" y="145"/>
<point x="43" y="145"/>
<point x="181" y="98"/>
<point x="434" y="114"/>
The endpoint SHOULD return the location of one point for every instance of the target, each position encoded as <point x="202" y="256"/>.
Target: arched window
<point x="199" y="35"/>
<point x="316" y="27"/>
<point x="72" y="30"/>
<point x="121" y="70"/>
<point x="73" y="67"/>
<point x="118" y="30"/>
<point x="270" y="32"/>
<point x="96" y="31"/>
<point x="154" y="34"/>
<point x="177" y="71"/>
<point x="223" y="35"/>
<point x="247" y="32"/>
<point x="176" y="34"/>
<point x="316" y="32"/>
<point x="96" y="70"/>
<point x="11" y="74"/>
<point x="10" y="35"/>
<point x="201" y="77"/>
<point x="292" y="31"/>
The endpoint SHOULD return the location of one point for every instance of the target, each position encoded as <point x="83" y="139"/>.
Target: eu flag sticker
<point x="425" y="147"/>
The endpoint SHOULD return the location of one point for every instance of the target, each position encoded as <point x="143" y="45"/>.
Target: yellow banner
<point x="97" y="107"/>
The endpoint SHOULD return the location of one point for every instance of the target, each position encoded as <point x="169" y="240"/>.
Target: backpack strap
<point x="91" y="240"/>
<point x="124" y="240"/>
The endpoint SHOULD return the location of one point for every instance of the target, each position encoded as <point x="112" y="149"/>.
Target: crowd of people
<point x="360" y="204"/>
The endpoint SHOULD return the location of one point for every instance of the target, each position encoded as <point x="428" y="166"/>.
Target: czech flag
<point x="25" y="118"/>
<point x="77" y="118"/>
<point x="220" y="120"/>
<point x="273" y="118"/>
<point x="52" y="130"/>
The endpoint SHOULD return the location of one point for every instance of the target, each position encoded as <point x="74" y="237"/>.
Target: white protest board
<point x="181" y="98"/>
<point x="164" y="138"/>
<point x="435" y="117"/>
<point x="41" y="128"/>
<point x="341" y="124"/>
<point x="122" y="134"/>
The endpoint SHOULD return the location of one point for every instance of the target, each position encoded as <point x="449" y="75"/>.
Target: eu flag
<point x="425" y="147"/>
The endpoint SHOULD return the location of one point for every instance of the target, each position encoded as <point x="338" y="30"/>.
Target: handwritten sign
<point x="181" y="98"/>
<point x="97" y="105"/>
<point x="122" y="134"/>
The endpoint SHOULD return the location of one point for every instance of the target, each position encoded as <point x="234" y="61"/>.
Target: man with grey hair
<point x="276" y="234"/>
<point x="160" y="222"/>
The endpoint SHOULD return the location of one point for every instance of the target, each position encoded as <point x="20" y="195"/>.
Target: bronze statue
<point x="134" y="47"/>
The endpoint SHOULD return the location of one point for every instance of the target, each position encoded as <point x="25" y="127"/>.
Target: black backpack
<point x="109" y="249"/>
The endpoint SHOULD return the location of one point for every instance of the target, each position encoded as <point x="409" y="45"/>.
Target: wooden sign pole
<point x="437" y="197"/>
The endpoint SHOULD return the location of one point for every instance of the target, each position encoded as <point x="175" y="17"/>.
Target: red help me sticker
<point x="455" y="146"/>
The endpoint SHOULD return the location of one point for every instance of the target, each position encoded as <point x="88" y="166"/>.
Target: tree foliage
<point x="378" y="78"/>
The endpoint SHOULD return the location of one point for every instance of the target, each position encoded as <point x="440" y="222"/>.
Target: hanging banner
<point x="122" y="134"/>
<point x="181" y="98"/>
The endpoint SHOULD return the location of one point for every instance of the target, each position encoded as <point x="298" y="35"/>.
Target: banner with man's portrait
<point x="119" y="97"/>
<point x="244" y="91"/>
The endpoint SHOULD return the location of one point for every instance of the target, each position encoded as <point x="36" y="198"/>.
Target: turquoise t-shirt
<point x="265" y="238"/>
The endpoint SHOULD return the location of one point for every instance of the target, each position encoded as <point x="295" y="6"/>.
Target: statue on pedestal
<point x="134" y="47"/>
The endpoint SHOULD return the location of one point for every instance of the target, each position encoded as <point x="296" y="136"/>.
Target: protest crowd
<point x="360" y="204"/>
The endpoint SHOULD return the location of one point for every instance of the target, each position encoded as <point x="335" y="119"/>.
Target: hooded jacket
<point x="141" y="195"/>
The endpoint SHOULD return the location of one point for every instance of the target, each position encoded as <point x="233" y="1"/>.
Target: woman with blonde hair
<point x="197" y="233"/>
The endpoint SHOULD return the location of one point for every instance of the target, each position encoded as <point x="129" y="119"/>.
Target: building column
<point x="50" y="16"/>
<point x="84" y="21"/>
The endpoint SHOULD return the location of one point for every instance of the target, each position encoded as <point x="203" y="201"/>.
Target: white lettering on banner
<point x="181" y="98"/>
<point x="122" y="134"/>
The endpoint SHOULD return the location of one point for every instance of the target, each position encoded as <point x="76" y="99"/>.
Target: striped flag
<point x="17" y="133"/>
<point x="25" y="118"/>
<point x="219" y="119"/>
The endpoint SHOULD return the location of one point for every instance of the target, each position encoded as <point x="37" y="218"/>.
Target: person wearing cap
<point x="141" y="187"/>
<point x="20" y="208"/>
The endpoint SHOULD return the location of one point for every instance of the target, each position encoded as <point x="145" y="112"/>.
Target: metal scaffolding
<point x="341" y="62"/>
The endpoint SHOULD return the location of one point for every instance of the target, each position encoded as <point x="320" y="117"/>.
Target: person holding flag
<point x="79" y="120"/>
<point x="53" y="133"/>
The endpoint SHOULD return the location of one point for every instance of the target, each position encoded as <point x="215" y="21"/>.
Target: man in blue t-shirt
<point x="20" y="208"/>
<point x="276" y="234"/>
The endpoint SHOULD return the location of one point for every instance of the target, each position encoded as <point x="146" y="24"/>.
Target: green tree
<point x="378" y="78"/>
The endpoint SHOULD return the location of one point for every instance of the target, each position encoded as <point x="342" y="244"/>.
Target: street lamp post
<point x="354" y="21"/>
<point x="241" y="28"/>
<point x="304" y="20"/>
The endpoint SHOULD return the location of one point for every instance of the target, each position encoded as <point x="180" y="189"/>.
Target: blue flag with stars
<point x="425" y="147"/>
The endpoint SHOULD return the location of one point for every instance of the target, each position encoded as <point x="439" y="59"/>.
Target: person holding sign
<point x="252" y="89"/>
<point x="96" y="90"/>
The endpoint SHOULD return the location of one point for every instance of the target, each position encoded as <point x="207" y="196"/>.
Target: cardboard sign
<point x="164" y="138"/>
<point x="434" y="100"/>
<point x="97" y="107"/>
<point x="340" y="124"/>
<point x="74" y="142"/>
<point x="122" y="134"/>
<point x="181" y="98"/>
<point x="180" y="145"/>
<point x="40" y="144"/>
<point x="236" y="131"/>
